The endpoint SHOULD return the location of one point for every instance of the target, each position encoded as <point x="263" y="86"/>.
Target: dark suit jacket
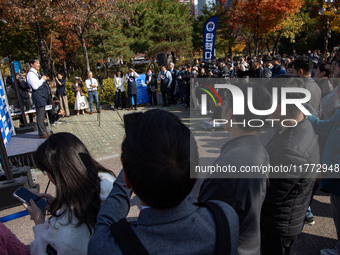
<point x="23" y="89"/>
<point x="60" y="88"/>
<point x="174" y="78"/>
<point x="152" y="85"/>
<point x="185" y="229"/>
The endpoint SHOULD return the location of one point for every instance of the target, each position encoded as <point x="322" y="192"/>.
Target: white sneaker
<point x="123" y="109"/>
<point x="53" y="125"/>
<point x="334" y="251"/>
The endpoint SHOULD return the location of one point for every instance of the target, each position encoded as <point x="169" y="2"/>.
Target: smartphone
<point x="130" y="118"/>
<point x="24" y="195"/>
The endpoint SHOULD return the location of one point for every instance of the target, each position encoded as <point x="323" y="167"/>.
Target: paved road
<point x="104" y="143"/>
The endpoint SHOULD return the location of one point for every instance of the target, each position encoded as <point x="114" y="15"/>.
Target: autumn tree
<point x="261" y="17"/>
<point x="78" y="17"/>
<point x="18" y="14"/>
<point x="291" y="28"/>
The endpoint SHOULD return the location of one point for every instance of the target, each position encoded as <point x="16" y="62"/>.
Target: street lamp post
<point x="330" y="7"/>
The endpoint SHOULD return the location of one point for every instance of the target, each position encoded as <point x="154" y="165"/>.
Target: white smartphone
<point x="24" y="195"/>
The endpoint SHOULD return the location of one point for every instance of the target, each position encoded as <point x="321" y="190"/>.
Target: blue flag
<point x="209" y="38"/>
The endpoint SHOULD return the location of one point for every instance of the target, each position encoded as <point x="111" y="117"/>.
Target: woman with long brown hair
<point x="81" y="184"/>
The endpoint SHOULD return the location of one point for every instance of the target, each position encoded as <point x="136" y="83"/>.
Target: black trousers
<point x="122" y="94"/>
<point x="152" y="98"/>
<point x="166" y="98"/>
<point x="40" y="111"/>
<point x="274" y="244"/>
<point x="187" y="94"/>
<point x="28" y="106"/>
<point x="172" y="94"/>
<point x="134" y="98"/>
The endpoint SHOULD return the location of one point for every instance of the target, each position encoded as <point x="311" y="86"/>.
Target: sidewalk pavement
<point x="104" y="144"/>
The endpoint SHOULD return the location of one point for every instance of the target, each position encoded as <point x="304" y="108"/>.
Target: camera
<point x="100" y="79"/>
<point x="77" y="78"/>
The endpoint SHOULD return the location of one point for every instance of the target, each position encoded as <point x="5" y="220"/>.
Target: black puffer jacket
<point x="287" y="198"/>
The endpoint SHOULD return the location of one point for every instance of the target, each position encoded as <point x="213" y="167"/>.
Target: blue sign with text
<point x="209" y="38"/>
<point x="142" y="93"/>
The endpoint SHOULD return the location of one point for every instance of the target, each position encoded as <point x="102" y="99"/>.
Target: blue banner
<point x="142" y="93"/>
<point x="17" y="66"/>
<point x="6" y="126"/>
<point x="209" y="38"/>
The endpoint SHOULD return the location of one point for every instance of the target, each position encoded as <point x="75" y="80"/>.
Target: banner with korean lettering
<point x="209" y="38"/>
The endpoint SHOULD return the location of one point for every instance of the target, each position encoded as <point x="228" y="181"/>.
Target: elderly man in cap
<point x="277" y="69"/>
<point x="174" y="83"/>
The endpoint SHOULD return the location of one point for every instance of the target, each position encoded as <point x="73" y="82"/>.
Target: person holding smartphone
<point x="82" y="185"/>
<point x="62" y="94"/>
<point x="81" y="102"/>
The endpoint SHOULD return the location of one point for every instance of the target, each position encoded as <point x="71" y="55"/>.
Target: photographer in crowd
<point x="24" y="90"/>
<point x="62" y="94"/>
<point x="170" y="222"/>
<point x="81" y="102"/>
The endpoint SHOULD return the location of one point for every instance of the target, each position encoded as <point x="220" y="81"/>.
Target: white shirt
<point x="167" y="74"/>
<point x="119" y="83"/>
<point x="90" y="82"/>
<point x="134" y="74"/>
<point x="33" y="79"/>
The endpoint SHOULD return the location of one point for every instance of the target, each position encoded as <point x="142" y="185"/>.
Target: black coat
<point x="174" y="78"/>
<point x="23" y="89"/>
<point x="152" y="86"/>
<point x="252" y="73"/>
<point x="245" y="195"/>
<point x="287" y="199"/>
<point x="61" y="88"/>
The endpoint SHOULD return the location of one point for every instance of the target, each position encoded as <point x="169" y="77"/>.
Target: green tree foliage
<point x="160" y="26"/>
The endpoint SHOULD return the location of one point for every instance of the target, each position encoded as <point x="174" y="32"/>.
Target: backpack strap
<point x="223" y="242"/>
<point x="130" y="244"/>
<point x="126" y="239"/>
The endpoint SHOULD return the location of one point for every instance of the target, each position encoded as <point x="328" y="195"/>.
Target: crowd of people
<point x="256" y="214"/>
